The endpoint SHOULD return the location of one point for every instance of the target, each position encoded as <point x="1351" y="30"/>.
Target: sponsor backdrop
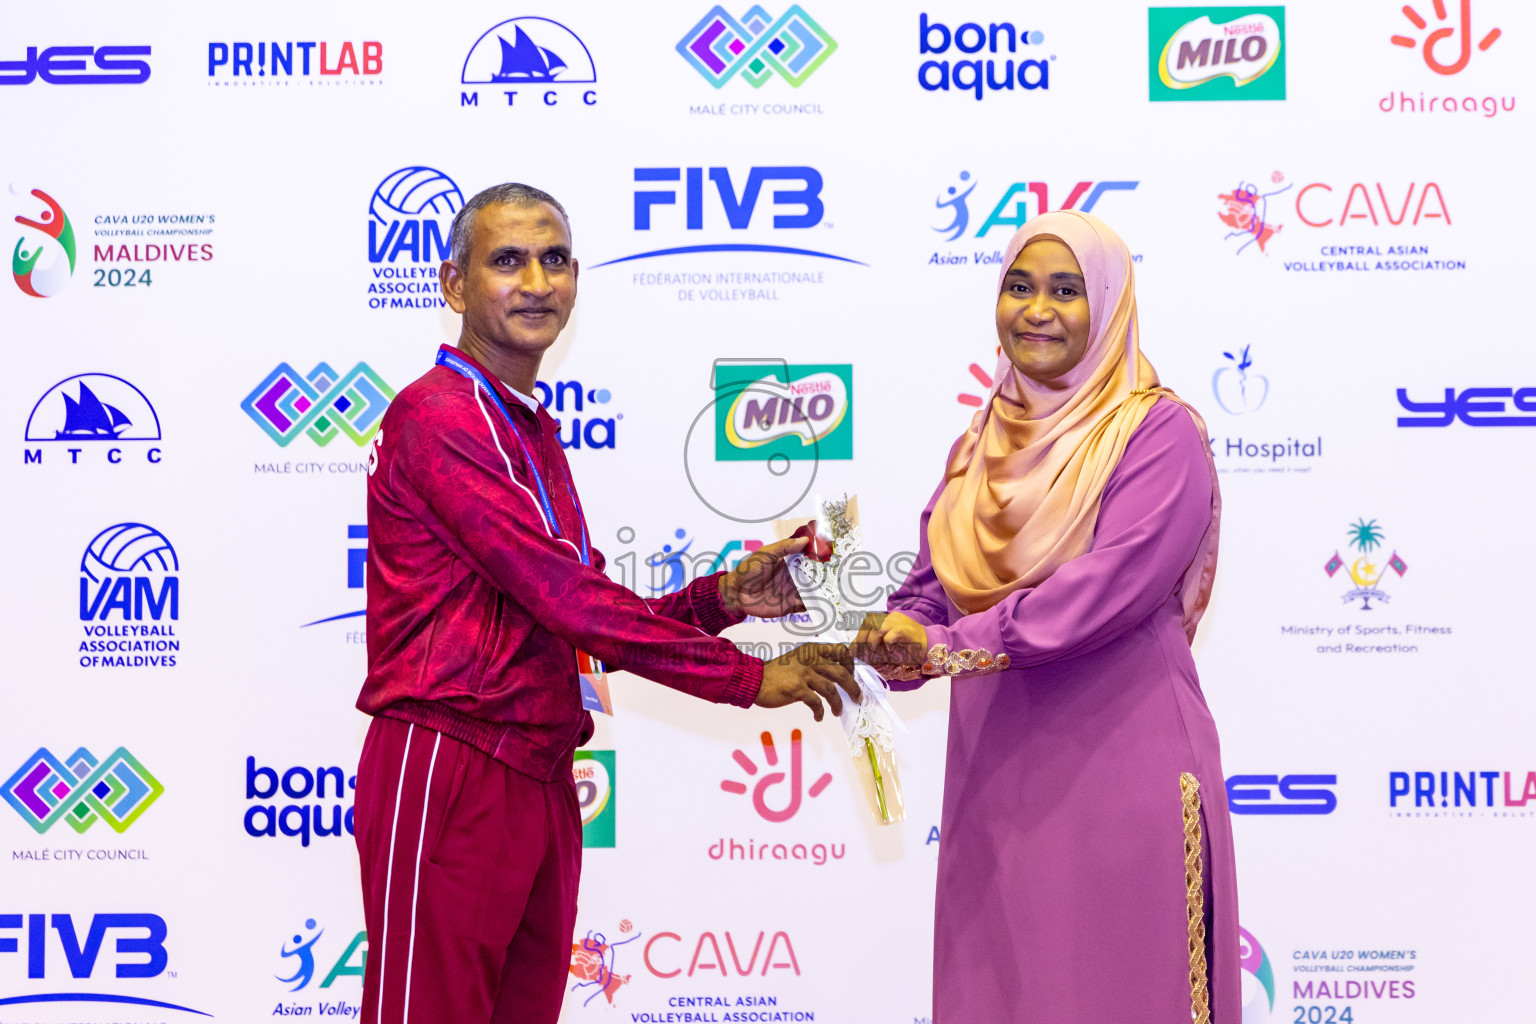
<point x="224" y="233"/>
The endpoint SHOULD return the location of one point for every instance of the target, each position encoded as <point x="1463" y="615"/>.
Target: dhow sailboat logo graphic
<point x="528" y="51"/>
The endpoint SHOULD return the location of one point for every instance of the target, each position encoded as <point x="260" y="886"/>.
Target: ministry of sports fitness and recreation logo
<point x="596" y="776"/>
<point x="1018" y="203"/>
<point x="268" y="63"/>
<point x="130" y="599"/>
<point x="410" y="223"/>
<point x="1364" y="570"/>
<point x="81" y="790"/>
<point x="769" y="411"/>
<point x="322" y="403"/>
<point x="757" y="47"/>
<point x="531" y="58"/>
<point x="43" y="259"/>
<point x="95" y="415"/>
<point x="1215" y="53"/>
<point x="1449" y="34"/>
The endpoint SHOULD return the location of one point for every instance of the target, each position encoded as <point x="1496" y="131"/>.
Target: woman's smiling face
<point x="1042" y="311"/>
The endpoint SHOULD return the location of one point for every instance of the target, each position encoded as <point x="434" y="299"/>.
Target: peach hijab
<point x="1024" y="483"/>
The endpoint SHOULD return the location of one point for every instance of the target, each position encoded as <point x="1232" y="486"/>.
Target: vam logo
<point x="130" y="569"/>
<point x="1365" y="573"/>
<point x="596" y="794"/>
<point x="410" y="223"/>
<point x="773" y="411"/>
<point x="757" y="47"/>
<point x="50" y="233"/>
<point x="321" y="403"/>
<point x="1216" y="53"/>
<point x="66" y="65"/>
<point x="81" y="790"/>
<point x="97" y="412"/>
<point x="529" y="52"/>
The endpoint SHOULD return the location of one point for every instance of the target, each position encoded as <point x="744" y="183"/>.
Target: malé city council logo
<point x="757" y="47"/>
<point x="81" y="790"/>
<point x="321" y="403"/>
<point x="51" y="231"/>
<point x="1215" y="53"/>
<point x="1365" y="573"/>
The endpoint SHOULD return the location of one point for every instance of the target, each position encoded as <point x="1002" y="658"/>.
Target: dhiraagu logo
<point x="1215" y="53"/>
<point x="769" y="410"/>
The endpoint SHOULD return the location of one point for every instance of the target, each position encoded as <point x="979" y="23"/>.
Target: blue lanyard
<point x="459" y="366"/>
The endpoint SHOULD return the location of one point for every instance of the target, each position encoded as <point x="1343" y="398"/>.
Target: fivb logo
<point x="757" y="47"/>
<point x="321" y="403"/>
<point x="53" y="233"/>
<point x="769" y="411"/>
<point x="82" y="957"/>
<point x="81" y="790"/>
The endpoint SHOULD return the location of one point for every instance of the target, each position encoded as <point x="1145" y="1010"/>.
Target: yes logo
<point x="773" y="779"/>
<point x="1216" y="53"/>
<point x="1282" y="794"/>
<point x="782" y="411"/>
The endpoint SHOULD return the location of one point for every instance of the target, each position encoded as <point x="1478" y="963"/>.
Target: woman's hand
<point x="893" y="643"/>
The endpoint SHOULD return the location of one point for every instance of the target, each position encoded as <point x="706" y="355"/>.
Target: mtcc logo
<point x="81" y="790"/>
<point x="321" y="403"/>
<point x="1216" y="53"/>
<point x="51" y="231"/>
<point x="1238" y="391"/>
<point x="302" y="951"/>
<point x="529" y="51"/>
<point x="791" y="803"/>
<point x="1439" y="34"/>
<point x="1365" y="573"/>
<point x="757" y="47"/>
<point x="88" y="408"/>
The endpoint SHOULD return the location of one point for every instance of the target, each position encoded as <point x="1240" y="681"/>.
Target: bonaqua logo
<point x="1365" y="573"/>
<point x="81" y="790"/>
<point x="571" y="396"/>
<point x="322" y="403"/>
<point x="309" y="794"/>
<point x="1001" y="40"/>
<point x="53" y="232"/>
<point x="757" y="47"/>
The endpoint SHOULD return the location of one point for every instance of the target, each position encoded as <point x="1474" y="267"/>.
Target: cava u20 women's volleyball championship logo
<point x="51" y="232"/>
<point x="1365" y="573"/>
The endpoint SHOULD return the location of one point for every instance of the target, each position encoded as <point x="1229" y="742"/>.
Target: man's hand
<point x="810" y="674"/>
<point x="893" y="643"/>
<point x="760" y="584"/>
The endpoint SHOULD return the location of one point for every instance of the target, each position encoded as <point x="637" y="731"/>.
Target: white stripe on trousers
<point x="410" y="954"/>
<point x="389" y="872"/>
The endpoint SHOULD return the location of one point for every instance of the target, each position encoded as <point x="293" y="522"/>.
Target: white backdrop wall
<point x="253" y="275"/>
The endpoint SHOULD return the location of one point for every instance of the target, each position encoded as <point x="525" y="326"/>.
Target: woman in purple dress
<point x="1086" y="871"/>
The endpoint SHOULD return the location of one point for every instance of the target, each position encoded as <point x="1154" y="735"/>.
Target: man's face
<point x="518" y="286"/>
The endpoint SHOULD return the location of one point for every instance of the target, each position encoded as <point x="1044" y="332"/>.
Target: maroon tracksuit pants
<point x="469" y="872"/>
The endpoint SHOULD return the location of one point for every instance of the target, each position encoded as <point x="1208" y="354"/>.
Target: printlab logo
<point x="1245" y="211"/>
<point x="321" y="403"/>
<point x="596" y="795"/>
<point x="52" y="233"/>
<point x="757" y="47"/>
<point x="66" y="65"/>
<point x="594" y="962"/>
<point x="272" y="63"/>
<point x="1258" y="979"/>
<point x="772" y="779"/>
<point x="1216" y="53"/>
<point x="1282" y="794"/>
<point x="1476" y="407"/>
<point x="410" y="215"/>
<point x="92" y="408"/>
<point x="81" y="790"/>
<point x="296" y="808"/>
<point x="130" y="569"/>
<point x="529" y="51"/>
<point x="1443" y="32"/>
<point x="1237" y="391"/>
<point x="1020" y="201"/>
<point x="773" y="411"/>
<point x="302" y="952"/>
<point x="1365" y="573"/>
<point x="1447" y="790"/>
<point x="1000" y="41"/>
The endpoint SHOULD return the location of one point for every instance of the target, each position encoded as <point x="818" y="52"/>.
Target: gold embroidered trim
<point x="1194" y="892"/>
<point x="942" y="661"/>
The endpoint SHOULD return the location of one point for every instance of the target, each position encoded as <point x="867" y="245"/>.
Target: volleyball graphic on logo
<point x="415" y="192"/>
<point x="128" y="548"/>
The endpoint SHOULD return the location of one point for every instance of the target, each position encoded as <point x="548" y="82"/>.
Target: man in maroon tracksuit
<point x="482" y="585"/>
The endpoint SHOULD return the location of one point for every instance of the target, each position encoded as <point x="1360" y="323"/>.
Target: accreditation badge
<point x="593" y="676"/>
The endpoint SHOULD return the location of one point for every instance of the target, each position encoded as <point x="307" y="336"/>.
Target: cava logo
<point x="595" y="961"/>
<point x="757" y="47"/>
<point x="534" y="54"/>
<point x="797" y="412"/>
<point x="1216" y="53"/>
<point x="321" y="403"/>
<point x="43" y="260"/>
<point x="87" y="408"/>
<point x="594" y="772"/>
<point x="81" y="790"/>
<point x="1364" y="571"/>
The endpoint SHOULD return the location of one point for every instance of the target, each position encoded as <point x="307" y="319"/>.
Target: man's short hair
<point x="513" y="193"/>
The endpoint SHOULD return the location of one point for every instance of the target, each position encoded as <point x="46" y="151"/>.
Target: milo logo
<point x="779" y="409"/>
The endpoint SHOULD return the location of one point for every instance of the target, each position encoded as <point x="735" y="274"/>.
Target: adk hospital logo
<point x="130" y="599"/>
<point x="410" y="220"/>
<point x="90" y="419"/>
<point x="81" y="790"/>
